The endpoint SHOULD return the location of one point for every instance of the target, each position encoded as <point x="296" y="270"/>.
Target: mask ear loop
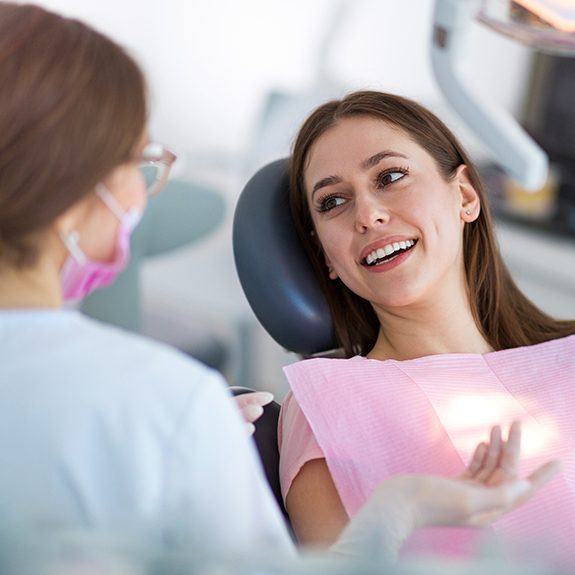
<point x="71" y="240"/>
<point x="110" y="200"/>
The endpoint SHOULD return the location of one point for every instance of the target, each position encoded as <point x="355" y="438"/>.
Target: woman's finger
<point x="493" y="455"/>
<point x="511" y="451"/>
<point x="476" y="461"/>
<point x="545" y="473"/>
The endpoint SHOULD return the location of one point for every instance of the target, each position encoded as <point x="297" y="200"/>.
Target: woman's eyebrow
<point x="376" y="158"/>
<point x="329" y="181"/>
<point x="365" y="165"/>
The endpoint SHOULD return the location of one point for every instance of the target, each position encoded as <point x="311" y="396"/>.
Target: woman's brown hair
<point x="505" y="316"/>
<point x="72" y="108"/>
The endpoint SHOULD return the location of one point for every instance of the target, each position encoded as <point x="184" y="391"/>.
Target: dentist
<point x="101" y="429"/>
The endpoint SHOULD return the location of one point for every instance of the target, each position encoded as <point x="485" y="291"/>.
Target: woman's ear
<point x="470" y="205"/>
<point x="331" y="272"/>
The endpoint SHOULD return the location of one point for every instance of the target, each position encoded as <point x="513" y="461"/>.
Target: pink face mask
<point x="80" y="275"/>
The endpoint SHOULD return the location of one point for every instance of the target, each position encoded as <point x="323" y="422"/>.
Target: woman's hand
<point x="488" y="488"/>
<point x="251" y="406"/>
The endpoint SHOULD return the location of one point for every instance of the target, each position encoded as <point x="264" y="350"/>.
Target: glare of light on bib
<point x="468" y="420"/>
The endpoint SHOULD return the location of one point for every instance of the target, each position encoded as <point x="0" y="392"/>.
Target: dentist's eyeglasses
<point x="155" y="164"/>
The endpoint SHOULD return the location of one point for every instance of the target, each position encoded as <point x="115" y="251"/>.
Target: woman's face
<point x="390" y="226"/>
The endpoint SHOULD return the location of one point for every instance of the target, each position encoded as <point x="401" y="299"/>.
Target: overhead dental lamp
<point x="546" y="25"/>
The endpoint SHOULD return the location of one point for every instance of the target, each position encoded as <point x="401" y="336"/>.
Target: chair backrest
<point x="274" y="270"/>
<point x="280" y="285"/>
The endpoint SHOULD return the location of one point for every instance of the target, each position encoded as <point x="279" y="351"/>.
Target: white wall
<point x="211" y="64"/>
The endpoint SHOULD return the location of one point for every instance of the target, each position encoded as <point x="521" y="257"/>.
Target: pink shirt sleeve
<point x="297" y="443"/>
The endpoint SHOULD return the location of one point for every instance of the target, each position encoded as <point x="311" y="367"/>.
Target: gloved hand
<point x="487" y="489"/>
<point x="251" y="406"/>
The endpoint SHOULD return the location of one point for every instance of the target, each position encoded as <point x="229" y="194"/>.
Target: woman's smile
<point x="385" y="250"/>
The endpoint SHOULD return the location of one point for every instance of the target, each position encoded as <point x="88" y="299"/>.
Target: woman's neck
<point x="36" y="287"/>
<point x="442" y="324"/>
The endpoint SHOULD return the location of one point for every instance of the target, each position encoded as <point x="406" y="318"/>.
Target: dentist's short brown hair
<point x="72" y="108"/>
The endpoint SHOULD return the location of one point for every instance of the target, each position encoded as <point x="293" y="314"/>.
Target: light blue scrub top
<point x="105" y="430"/>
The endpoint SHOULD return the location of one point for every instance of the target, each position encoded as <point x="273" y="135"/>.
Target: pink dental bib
<point x="374" y="419"/>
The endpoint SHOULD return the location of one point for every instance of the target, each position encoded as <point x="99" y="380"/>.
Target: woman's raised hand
<point x="488" y="488"/>
<point x="496" y="462"/>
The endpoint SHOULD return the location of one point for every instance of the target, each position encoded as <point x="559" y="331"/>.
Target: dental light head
<point x="547" y="25"/>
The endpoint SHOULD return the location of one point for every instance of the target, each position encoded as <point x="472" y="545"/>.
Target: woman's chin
<point x="400" y="293"/>
<point x="399" y="298"/>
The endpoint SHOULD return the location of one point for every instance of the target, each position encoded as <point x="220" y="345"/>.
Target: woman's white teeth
<point x="388" y="250"/>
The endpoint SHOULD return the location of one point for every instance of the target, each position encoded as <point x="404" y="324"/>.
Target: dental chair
<point x="274" y="270"/>
<point x="280" y="286"/>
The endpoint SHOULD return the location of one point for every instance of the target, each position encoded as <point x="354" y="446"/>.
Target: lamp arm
<point x="510" y="146"/>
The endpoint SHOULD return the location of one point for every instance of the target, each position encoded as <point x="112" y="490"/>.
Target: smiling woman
<point x="384" y="198"/>
<point x="350" y="140"/>
<point x="395" y="221"/>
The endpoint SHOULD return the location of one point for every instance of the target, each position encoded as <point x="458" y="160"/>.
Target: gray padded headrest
<point x="273" y="268"/>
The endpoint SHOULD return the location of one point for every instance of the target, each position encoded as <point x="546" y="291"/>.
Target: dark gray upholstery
<point x="281" y="287"/>
<point x="273" y="268"/>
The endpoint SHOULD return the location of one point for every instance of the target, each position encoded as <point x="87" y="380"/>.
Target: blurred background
<point x="231" y="80"/>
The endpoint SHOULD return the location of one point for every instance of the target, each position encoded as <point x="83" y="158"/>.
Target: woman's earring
<point x="468" y="212"/>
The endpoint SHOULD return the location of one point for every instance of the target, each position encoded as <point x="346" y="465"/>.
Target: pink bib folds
<point x="375" y="419"/>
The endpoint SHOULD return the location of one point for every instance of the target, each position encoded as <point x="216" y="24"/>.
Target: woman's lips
<point x="392" y="262"/>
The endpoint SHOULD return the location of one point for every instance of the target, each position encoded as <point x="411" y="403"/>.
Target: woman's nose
<point x="370" y="213"/>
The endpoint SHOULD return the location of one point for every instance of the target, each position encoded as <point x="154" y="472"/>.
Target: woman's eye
<point x="387" y="178"/>
<point x="330" y="203"/>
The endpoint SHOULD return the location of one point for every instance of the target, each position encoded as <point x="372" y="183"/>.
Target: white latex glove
<point x="487" y="489"/>
<point x="251" y="406"/>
